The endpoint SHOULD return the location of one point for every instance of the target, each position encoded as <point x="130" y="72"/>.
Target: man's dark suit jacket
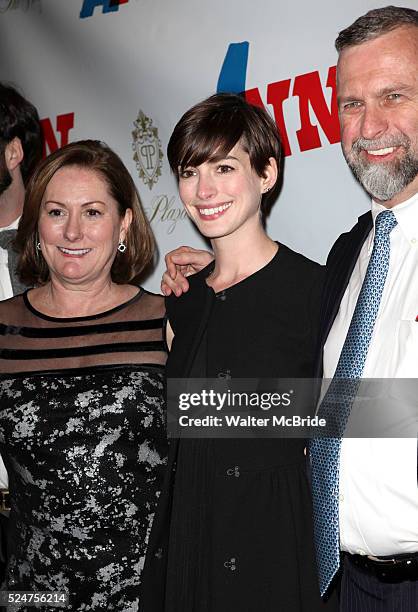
<point x="18" y="287"/>
<point x="340" y="264"/>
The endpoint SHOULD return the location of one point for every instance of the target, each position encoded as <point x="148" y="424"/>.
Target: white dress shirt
<point x="6" y="292"/>
<point x="378" y="477"/>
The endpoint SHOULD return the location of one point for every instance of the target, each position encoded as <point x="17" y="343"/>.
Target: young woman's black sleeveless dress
<point x="238" y="511"/>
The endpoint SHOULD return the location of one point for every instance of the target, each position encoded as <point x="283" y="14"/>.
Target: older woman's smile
<point x="74" y="252"/>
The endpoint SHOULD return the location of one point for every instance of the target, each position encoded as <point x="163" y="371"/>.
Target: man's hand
<point x="182" y="262"/>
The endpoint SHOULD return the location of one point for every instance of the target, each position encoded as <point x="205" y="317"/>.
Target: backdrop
<point x="124" y="71"/>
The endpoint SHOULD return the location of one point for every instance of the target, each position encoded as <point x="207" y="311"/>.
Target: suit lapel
<point x="17" y="285"/>
<point x="340" y="265"/>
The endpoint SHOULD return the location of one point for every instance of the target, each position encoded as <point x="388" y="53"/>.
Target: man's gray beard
<point x="383" y="181"/>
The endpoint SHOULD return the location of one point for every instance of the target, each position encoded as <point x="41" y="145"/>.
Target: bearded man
<point x="365" y="490"/>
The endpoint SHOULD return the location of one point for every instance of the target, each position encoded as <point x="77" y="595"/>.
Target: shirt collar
<point x="406" y="215"/>
<point x="13" y="225"/>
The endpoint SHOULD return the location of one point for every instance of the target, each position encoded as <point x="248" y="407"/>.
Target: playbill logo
<point x="148" y="152"/>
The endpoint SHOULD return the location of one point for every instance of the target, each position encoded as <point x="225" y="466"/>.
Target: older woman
<point x="81" y="361"/>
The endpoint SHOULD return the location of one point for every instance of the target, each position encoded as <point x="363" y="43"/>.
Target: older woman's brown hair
<point x="97" y="157"/>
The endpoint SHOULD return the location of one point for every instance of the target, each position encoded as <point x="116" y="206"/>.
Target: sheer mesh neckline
<point x="98" y="315"/>
<point x="131" y="333"/>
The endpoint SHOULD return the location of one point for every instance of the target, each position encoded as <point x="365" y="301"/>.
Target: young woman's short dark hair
<point x="98" y="157"/>
<point x="210" y="129"/>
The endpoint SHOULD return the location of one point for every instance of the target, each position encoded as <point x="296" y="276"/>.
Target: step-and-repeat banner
<point x="124" y="71"/>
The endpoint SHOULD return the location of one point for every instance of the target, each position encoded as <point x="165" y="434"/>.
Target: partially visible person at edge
<point x="234" y="524"/>
<point x="375" y="512"/>
<point x="20" y="151"/>
<point x="82" y="357"/>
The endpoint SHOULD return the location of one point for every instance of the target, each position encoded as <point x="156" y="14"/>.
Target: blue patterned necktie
<point x="325" y="452"/>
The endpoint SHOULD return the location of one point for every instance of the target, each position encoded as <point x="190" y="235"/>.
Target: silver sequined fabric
<point x="85" y="454"/>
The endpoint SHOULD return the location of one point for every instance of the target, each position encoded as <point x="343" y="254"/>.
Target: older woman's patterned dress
<point x="82" y="433"/>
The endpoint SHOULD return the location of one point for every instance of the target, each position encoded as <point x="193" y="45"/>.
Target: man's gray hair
<point x="375" y="23"/>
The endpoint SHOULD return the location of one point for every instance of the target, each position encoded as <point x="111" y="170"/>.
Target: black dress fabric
<point x="241" y="534"/>
<point x="82" y="433"/>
